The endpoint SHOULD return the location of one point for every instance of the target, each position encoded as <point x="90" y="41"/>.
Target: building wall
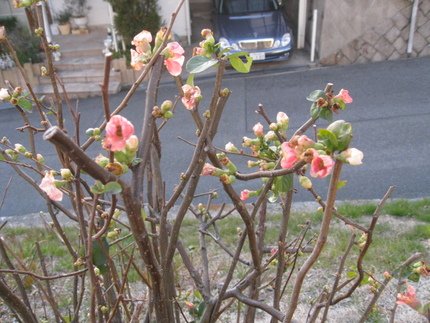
<point x="368" y="31"/>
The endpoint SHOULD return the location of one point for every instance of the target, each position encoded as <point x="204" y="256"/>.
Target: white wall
<point x="182" y="26"/>
<point x="97" y="16"/>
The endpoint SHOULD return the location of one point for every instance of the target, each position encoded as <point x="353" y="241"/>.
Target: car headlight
<point x="286" y="39"/>
<point x="224" y="43"/>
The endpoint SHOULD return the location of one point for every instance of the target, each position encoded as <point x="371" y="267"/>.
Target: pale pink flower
<point x="244" y="195"/>
<point x="137" y="62"/>
<point x="344" y="96"/>
<point x="4" y="94"/>
<point x="352" y="156"/>
<point x="321" y="165"/>
<point x="192" y="95"/>
<point x="118" y="131"/>
<point x="174" y="54"/>
<point x="141" y="41"/>
<point x="289" y="157"/>
<point x="409" y="298"/>
<point x="48" y="185"/>
<point x="258" y="129"/>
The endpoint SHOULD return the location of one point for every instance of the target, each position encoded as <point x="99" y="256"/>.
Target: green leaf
<point x="198" y="64"/>
<point x="99" y="257"/>
<point x="225" y="50"/>
<point x="113" y="188"/>
<point x="98" y="188"/>
<point x="315" y="111"/>
<point x="341" y="184"/>
<point x="328" y="139"/>
<point x="198" y="295"/>
<point x="121" y="156"/>
<point x="190" y="79"/>
<point x="326" y="114"/>
<point x="343" y="131"/>
<point x="136" y="161"/>
<point x="315" y="95"/>
<point x="239" y="65"/>
<point x="26" y="105"/>
<point x="284" y="183"/>
<point x="414" y="277"/>
<point x="351" y="275"/>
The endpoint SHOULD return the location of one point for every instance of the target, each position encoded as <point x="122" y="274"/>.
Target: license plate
<point x="258" y="56"/>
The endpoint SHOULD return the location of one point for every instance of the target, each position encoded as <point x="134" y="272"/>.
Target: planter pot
<point x="80" y="22"/>
<point x="64" y="29"/>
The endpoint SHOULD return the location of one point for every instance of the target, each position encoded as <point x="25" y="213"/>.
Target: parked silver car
<point x="255" y="26"/>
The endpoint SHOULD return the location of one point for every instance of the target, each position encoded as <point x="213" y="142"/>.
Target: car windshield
<point x="234" y="7"/>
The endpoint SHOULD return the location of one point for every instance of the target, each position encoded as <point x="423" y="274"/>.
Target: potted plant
<point x="80" y="11"/>
<point x="63" y="20"/>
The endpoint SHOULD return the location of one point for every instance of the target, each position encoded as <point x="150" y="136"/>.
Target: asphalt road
<point x="390" y="116"/>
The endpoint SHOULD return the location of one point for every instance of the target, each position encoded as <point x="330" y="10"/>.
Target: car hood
<point x="252" y="26"/>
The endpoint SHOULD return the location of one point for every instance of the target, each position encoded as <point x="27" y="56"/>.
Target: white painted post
<point x="301" y="24"/>
<point x="46" y="26"/>
<point x="314" y="34"/>
<point x="412" y="27"/>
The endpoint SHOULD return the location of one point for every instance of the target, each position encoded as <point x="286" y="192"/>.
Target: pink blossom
<point x="244" y="195"/>
<point x="344" y="96"/>
<point x="192" y="95"/>
<point x="408" y="298"/>
<point x="136" y="60"/>
<point x="289" y="157"/>
<point x="321" y="165"/>
<point x="4" y="94"/>
<point x="352" y="156"/>
<point x="118" y="131"/>
<point x="141" y="41"/>
<point x="258" y="129"/>
<point x="48" y="185"/>
<point x="189" y="305"/>
<point x="174" y="54"/>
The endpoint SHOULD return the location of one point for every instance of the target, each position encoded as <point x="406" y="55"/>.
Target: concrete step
<point x="83" y="76"/>
<point x="80" y="62"/>
<point x="77" y="90"/>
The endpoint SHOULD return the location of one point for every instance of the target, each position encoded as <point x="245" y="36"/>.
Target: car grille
<point x="256" y="44"/>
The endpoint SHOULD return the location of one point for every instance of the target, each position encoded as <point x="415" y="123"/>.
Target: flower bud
<point x="166" y="106"/>
<point x="271" y="135"/>
<point x="101" y="160"/>
<point x="20" y="148"/>
<point x="132" y="143"/>
<point x="231" y="148"/>
<point x="115" y="168"/>
<point x="66" y="173"/>
<point x="38" y="31"/>
<point x="40" y="158"/>
<point x="305" y="182"/>
<point x="273" y="126"/>
<point x="28" y="154"/>
<point x="43" y="71"/>
<point x="168" y="115"/>
<point x="282" y="119"/>
<point x="90" y="132"/>
<point x="258" y="129"/>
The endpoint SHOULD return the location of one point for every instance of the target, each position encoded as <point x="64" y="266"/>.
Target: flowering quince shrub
<point x="123" y="223"/>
